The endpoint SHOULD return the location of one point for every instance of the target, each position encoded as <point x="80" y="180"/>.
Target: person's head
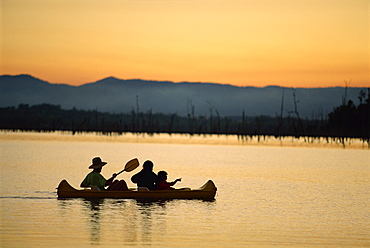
<point x="97" y="164"/>
<point x="162" y="175"/>
<point x="148" y="165"/>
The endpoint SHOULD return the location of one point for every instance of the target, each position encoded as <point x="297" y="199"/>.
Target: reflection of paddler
<point x="94" y="178"/>
<point x="146" y="177"/>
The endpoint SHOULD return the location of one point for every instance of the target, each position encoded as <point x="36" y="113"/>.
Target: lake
<point x="268" y="195"/>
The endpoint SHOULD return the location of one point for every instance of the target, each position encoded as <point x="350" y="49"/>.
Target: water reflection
<point x="149" y="218"/>
<point x="145" y="210"/>
<point x="93" y="208"/>
<point x="128" y="221"/>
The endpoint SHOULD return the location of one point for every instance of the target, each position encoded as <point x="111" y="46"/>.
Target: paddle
<point x="130" y="165"/>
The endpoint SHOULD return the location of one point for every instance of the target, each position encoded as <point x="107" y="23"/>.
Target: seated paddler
<point x="146" y="177"/>
<point x="95" y="180"/>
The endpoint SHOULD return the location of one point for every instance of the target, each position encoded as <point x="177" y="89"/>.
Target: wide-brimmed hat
<point x="97" y="163"/>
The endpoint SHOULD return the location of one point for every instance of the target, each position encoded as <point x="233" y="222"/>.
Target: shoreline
<point x="184" y="139"/>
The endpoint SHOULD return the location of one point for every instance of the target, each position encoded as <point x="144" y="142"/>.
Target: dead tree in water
<point x="218" y="127"/>
<point x="137" y="114"/>
<point x="191" y="117"/>
<point x="242" y="128"/>
<point x="214" y="126"/>
<point x="299" y="131"/>
<point x="344" y="98"/>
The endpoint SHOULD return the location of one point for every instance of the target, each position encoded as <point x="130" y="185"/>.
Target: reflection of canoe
<point x="207" y="191"/>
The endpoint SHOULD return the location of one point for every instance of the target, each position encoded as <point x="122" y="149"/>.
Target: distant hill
<point x="121" y="96"/>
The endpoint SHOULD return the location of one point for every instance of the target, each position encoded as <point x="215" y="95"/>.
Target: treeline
<point x="349" y="120"/>
<point x="345" y="121"/>
<point x="46" y="117"/>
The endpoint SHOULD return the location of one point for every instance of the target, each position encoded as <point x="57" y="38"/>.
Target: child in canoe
<point x="162" y="183"/>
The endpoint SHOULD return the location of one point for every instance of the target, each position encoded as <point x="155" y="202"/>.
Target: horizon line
<point x="189" y="82"/>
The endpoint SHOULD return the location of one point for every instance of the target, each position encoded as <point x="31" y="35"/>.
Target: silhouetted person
<point x="162" y="181"/>
<point x="94" y="178"/>
<point x="146" y="177"/>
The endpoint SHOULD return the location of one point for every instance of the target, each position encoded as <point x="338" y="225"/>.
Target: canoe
<point x="207" y="192"/>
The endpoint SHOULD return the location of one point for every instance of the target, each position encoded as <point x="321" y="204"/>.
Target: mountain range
<point x="122" y="96"/>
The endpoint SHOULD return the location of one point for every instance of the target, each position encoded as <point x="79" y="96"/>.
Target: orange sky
<point x="295" y="43"/>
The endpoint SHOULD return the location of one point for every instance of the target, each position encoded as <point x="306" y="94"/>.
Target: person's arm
<point x="174" y="182"/>
<point x="135" y="178"/>
<point x="110" y="180"/>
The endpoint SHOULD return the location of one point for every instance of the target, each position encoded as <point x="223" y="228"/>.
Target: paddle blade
<point x="131" y="165"/>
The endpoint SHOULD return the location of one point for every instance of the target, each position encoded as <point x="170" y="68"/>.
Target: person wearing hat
<point x="94" y="178"/>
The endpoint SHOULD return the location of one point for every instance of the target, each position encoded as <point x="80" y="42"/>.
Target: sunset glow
<point x="317" y="43"/>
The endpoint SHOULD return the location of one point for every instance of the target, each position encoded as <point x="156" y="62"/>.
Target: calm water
<point x="267" y="197"/>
